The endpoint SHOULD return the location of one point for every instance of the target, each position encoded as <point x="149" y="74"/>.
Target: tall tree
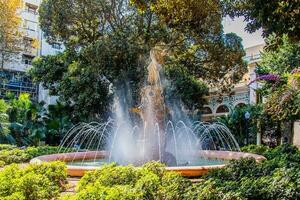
<point x="108" y="44"/>
<point x="274" y="16"/>
<point x="279" y="69"/>
<point x="10" y="35"/>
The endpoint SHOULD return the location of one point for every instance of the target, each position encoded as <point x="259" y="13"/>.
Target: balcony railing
<point x="17" y="83"/>
<point x="252" y="58"/>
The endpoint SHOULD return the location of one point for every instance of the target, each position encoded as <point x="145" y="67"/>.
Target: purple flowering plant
<point x="267" y="77"/>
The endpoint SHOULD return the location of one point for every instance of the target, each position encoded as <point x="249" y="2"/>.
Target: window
<point x="223" y="109"/>
<point x="206" y="111"/>
<point x="30" y="25"/>
<point x="27" y="60"/>
<point x="27" y="41"/>
<point x="56" y="46"/>
<point x="240" y="105"/>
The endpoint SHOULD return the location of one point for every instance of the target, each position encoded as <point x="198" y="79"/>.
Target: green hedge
<point x="11" y="154"/>
<point x="33" y="182"/>
<point x="7" y="147"/>
<point x="277" y="178"/>
<point x="257" y="149"/>
<point x="149" y="182"/>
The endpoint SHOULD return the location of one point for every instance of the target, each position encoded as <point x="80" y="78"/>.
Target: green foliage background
<point x="24" y="122"/>
<point x="108" y="44"/>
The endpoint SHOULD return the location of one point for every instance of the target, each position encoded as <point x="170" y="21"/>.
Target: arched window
<point x="206" y="111"/>
<point x="223" y="109"/>
<point x="240" y="105"/>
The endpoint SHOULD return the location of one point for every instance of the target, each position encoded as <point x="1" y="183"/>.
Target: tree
<point x="278" y="63"/>
<point x="237" y="123"/>
<point x="58" y="122"/>
<point x="108" y="45"/>
<point x="5" y="136"/>
<point x="282" y="59"/>
<point x="283" y="102"/>
<point x="10" y="34"/>
<point x="279" y="71"/>
<point x="273" y="16"/>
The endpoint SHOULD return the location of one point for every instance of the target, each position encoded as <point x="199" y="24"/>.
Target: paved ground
<point x="194" y="181"/>
<point x="72" y="185"/>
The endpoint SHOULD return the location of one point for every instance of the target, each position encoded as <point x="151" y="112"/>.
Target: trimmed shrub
<point x="256" y="149"/>
<point x="11" y="154"/>
<point x="274" y="179"/>
<point x="149" y="182"/>
<point x="6" y="147"/>
<point x="33" y="182"/>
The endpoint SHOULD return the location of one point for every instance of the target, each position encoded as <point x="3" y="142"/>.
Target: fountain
<point x="189" y="148"/>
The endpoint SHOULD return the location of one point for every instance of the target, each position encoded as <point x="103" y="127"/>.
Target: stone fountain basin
<point x="186" y="171"/>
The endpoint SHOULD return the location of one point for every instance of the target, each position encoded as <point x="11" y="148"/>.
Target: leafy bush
<point x="151" y="181"/>
<point x="275" y="178"/>
<point x="17" y="155"/>
<point x="13" y="156"/>
<point x="256" y="149"/>
<point x="6" y="147"/>
<point x="24" y="122"/>
<point x="34" y="182"/>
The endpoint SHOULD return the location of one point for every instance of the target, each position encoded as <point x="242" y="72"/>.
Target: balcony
<point x="30" y="33"/>
<point x="252" y="58"/>
<point x="33" y="2"/>
<point x="17" y="83"/>
<point x="30" y="51"/>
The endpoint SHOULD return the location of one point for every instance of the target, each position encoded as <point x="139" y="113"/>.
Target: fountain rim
<point x="187" y="171"/>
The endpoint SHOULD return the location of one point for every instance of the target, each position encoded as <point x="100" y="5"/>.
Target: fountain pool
<point x="78" y="163"/>
<point x="189" y="148"/>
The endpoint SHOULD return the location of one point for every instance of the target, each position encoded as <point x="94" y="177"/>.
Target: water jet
<point x="191" y="149"/>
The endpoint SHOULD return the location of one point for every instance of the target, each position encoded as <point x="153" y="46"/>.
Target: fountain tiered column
<point x="153" y="109"/>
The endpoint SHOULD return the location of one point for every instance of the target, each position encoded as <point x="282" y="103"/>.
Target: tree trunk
<point x="2" y="61"/>
<point x="278" y="132"/>
<point x="259" y="133"/>
<point x="286" y="136"/>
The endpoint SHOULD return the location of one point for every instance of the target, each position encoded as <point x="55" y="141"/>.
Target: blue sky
<point x="237" y="26"/>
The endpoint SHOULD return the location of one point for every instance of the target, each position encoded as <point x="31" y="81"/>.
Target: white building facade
<point x="242" y="94"/>
<point x="14" y="77"/>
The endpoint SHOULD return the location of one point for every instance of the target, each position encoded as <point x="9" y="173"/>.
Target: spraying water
<point x="156" y="138"/>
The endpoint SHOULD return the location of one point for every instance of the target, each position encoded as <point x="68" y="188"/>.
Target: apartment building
<point x="13" y="77"/>
<point x="242" y="94"/>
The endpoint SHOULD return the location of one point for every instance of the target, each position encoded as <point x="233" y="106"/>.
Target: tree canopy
<point x="108" y="44"/>
<point x="10" y="34"/>
<point x="273" y="16"/>
<point x="279" y="70"/>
